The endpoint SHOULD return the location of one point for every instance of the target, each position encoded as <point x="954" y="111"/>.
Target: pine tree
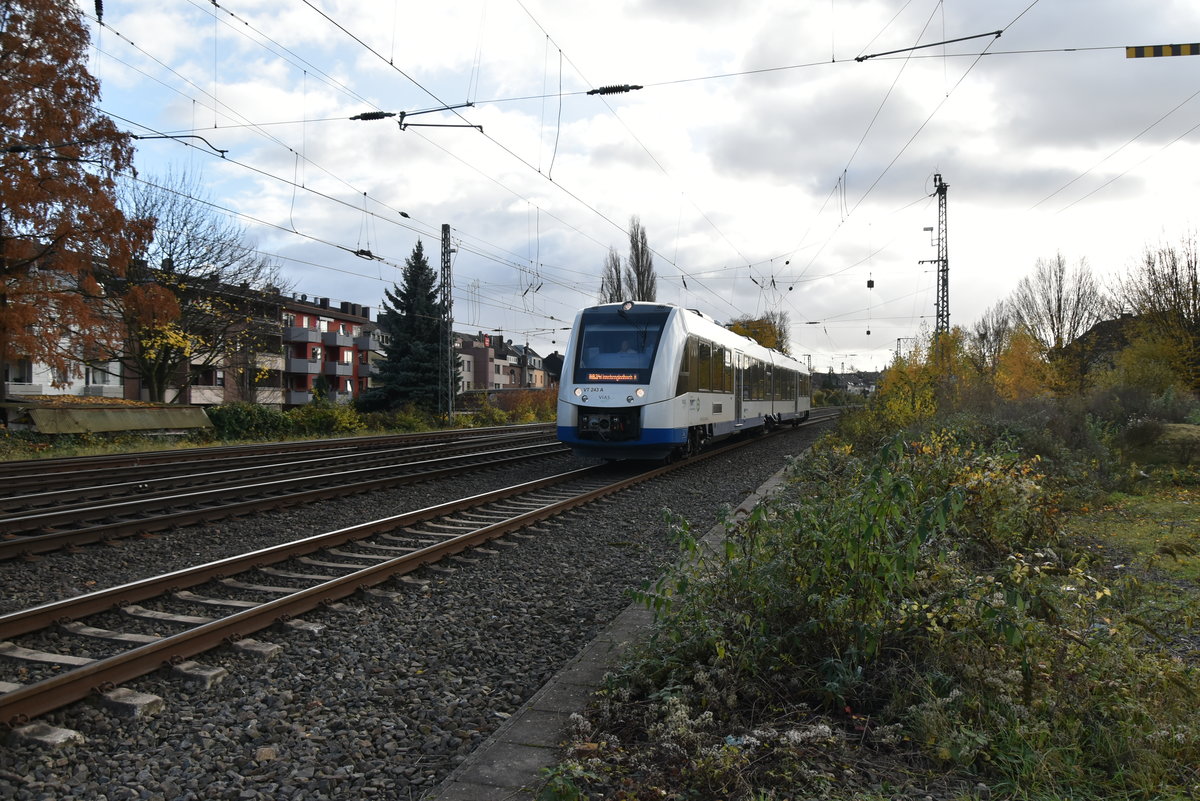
<point x="411" y="318"/>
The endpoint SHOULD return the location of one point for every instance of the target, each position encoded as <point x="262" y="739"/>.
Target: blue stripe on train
<point x="649" y="436"/>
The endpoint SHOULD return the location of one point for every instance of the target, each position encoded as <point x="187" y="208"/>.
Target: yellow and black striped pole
<point x="1154" y="51"/>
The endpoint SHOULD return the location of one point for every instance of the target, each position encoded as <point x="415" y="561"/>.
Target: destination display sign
<point x="612" y="377"/>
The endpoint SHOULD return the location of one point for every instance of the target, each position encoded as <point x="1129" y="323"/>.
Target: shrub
<point x="410" y="418"/>
<point x="530" y="405"/>
<point x="921" y="587"/>
<point x="487" y="415"/>
<point x="322" y="418"/>
<point x="251" y="421"/>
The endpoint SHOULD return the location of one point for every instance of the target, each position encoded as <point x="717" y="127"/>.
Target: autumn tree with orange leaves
<point x="772" y="330"/>
<point x="59" y="218"/>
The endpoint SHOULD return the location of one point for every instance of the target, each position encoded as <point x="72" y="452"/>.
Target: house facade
<point x="327" y="349"/>
<point x="306" y="347"/>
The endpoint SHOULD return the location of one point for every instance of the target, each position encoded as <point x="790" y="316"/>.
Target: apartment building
<point x="307" y="346"/>
<point x="490" y="362"/>
<point x="328" y="349"/>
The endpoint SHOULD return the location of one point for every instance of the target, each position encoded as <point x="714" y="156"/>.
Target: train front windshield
<point x="612" y="347"/>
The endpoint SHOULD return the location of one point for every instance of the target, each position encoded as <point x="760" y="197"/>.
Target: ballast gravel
<point x="393" y="693"/>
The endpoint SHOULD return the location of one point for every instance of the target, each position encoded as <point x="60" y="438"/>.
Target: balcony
<point x="268" y="396"/>
<point x="207" y="395"/>
<point x="297" y="397"/>
<point x="298" y="365"/>
<point x="337" y="368"/>
<point x="294" y="333"/>
<point x="104" y="391"/>
<point x="334" y="339"/>
<point x="17" y="388"/>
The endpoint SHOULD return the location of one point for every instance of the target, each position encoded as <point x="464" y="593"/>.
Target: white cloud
<point x="732" y="176"/>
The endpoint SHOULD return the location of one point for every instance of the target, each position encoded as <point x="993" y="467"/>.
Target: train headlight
<point x="640" y="392"/>
<point x="578" y="392"/>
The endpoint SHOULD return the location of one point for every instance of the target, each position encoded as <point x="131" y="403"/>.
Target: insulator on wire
<point x="615" y="89"/>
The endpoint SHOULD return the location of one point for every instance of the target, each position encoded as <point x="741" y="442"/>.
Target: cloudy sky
<point x="771" y="168"/>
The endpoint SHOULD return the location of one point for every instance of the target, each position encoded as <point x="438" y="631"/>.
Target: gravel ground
<point x="391" y="695"/>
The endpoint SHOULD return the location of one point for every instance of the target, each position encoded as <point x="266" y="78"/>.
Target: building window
<point x="98" y="376"/>
<point x="19" y="372"/>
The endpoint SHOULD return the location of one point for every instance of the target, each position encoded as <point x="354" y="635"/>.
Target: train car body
<point x="654" y="381"/>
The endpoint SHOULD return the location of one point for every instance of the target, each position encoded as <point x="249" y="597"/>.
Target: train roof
<point x="716" y="331"/>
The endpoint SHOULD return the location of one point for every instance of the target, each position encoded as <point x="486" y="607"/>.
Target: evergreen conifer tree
<point x="411" y="316"/>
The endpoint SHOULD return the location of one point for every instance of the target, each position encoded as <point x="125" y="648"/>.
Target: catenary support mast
<point x="943" y="261"/>
<point x="448" y="373"/>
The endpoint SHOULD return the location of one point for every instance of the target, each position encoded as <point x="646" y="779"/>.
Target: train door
<point x="737" y="387"/>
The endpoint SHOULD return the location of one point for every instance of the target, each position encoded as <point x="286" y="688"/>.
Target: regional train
<point x="657" y="381"/>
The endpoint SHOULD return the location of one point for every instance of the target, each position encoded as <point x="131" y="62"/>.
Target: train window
<point x="614" y="347"/>
<point x="693" y="357"/>
<point x="704" y="366"/>
<point x="787" y="385"/>
<point x="728" y="370"/>
<point x="685" y="369"/>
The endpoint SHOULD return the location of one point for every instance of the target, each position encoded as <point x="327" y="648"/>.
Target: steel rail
<point x="369" y="479"/>
<point x="75" y="464"/>
<point x="36" y="699"/>
<point x="54" y="472"/>
<point x="146" y="488"/>
<point x="15" y="624"/>
<point x="25" y="703"/>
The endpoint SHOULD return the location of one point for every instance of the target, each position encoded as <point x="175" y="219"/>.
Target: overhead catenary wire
<point x="758" y="271"/>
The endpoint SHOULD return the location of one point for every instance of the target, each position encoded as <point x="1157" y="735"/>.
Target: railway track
<point x="68" y="649"/>
<point x="30" y="477"/>
<point x="155" y="504"/>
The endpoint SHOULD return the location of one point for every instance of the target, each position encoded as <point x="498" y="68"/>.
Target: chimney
<point x="345" y="307"/>
<point x="324" y="302"/>
<point x="366" y="312"/>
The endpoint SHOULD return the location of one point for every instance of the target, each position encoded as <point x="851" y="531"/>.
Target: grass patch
<point x="1157" y="530"/>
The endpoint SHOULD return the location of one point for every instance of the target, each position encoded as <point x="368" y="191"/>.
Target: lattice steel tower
<point x="943" y="261"/>
<point x="448" y="374"/>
